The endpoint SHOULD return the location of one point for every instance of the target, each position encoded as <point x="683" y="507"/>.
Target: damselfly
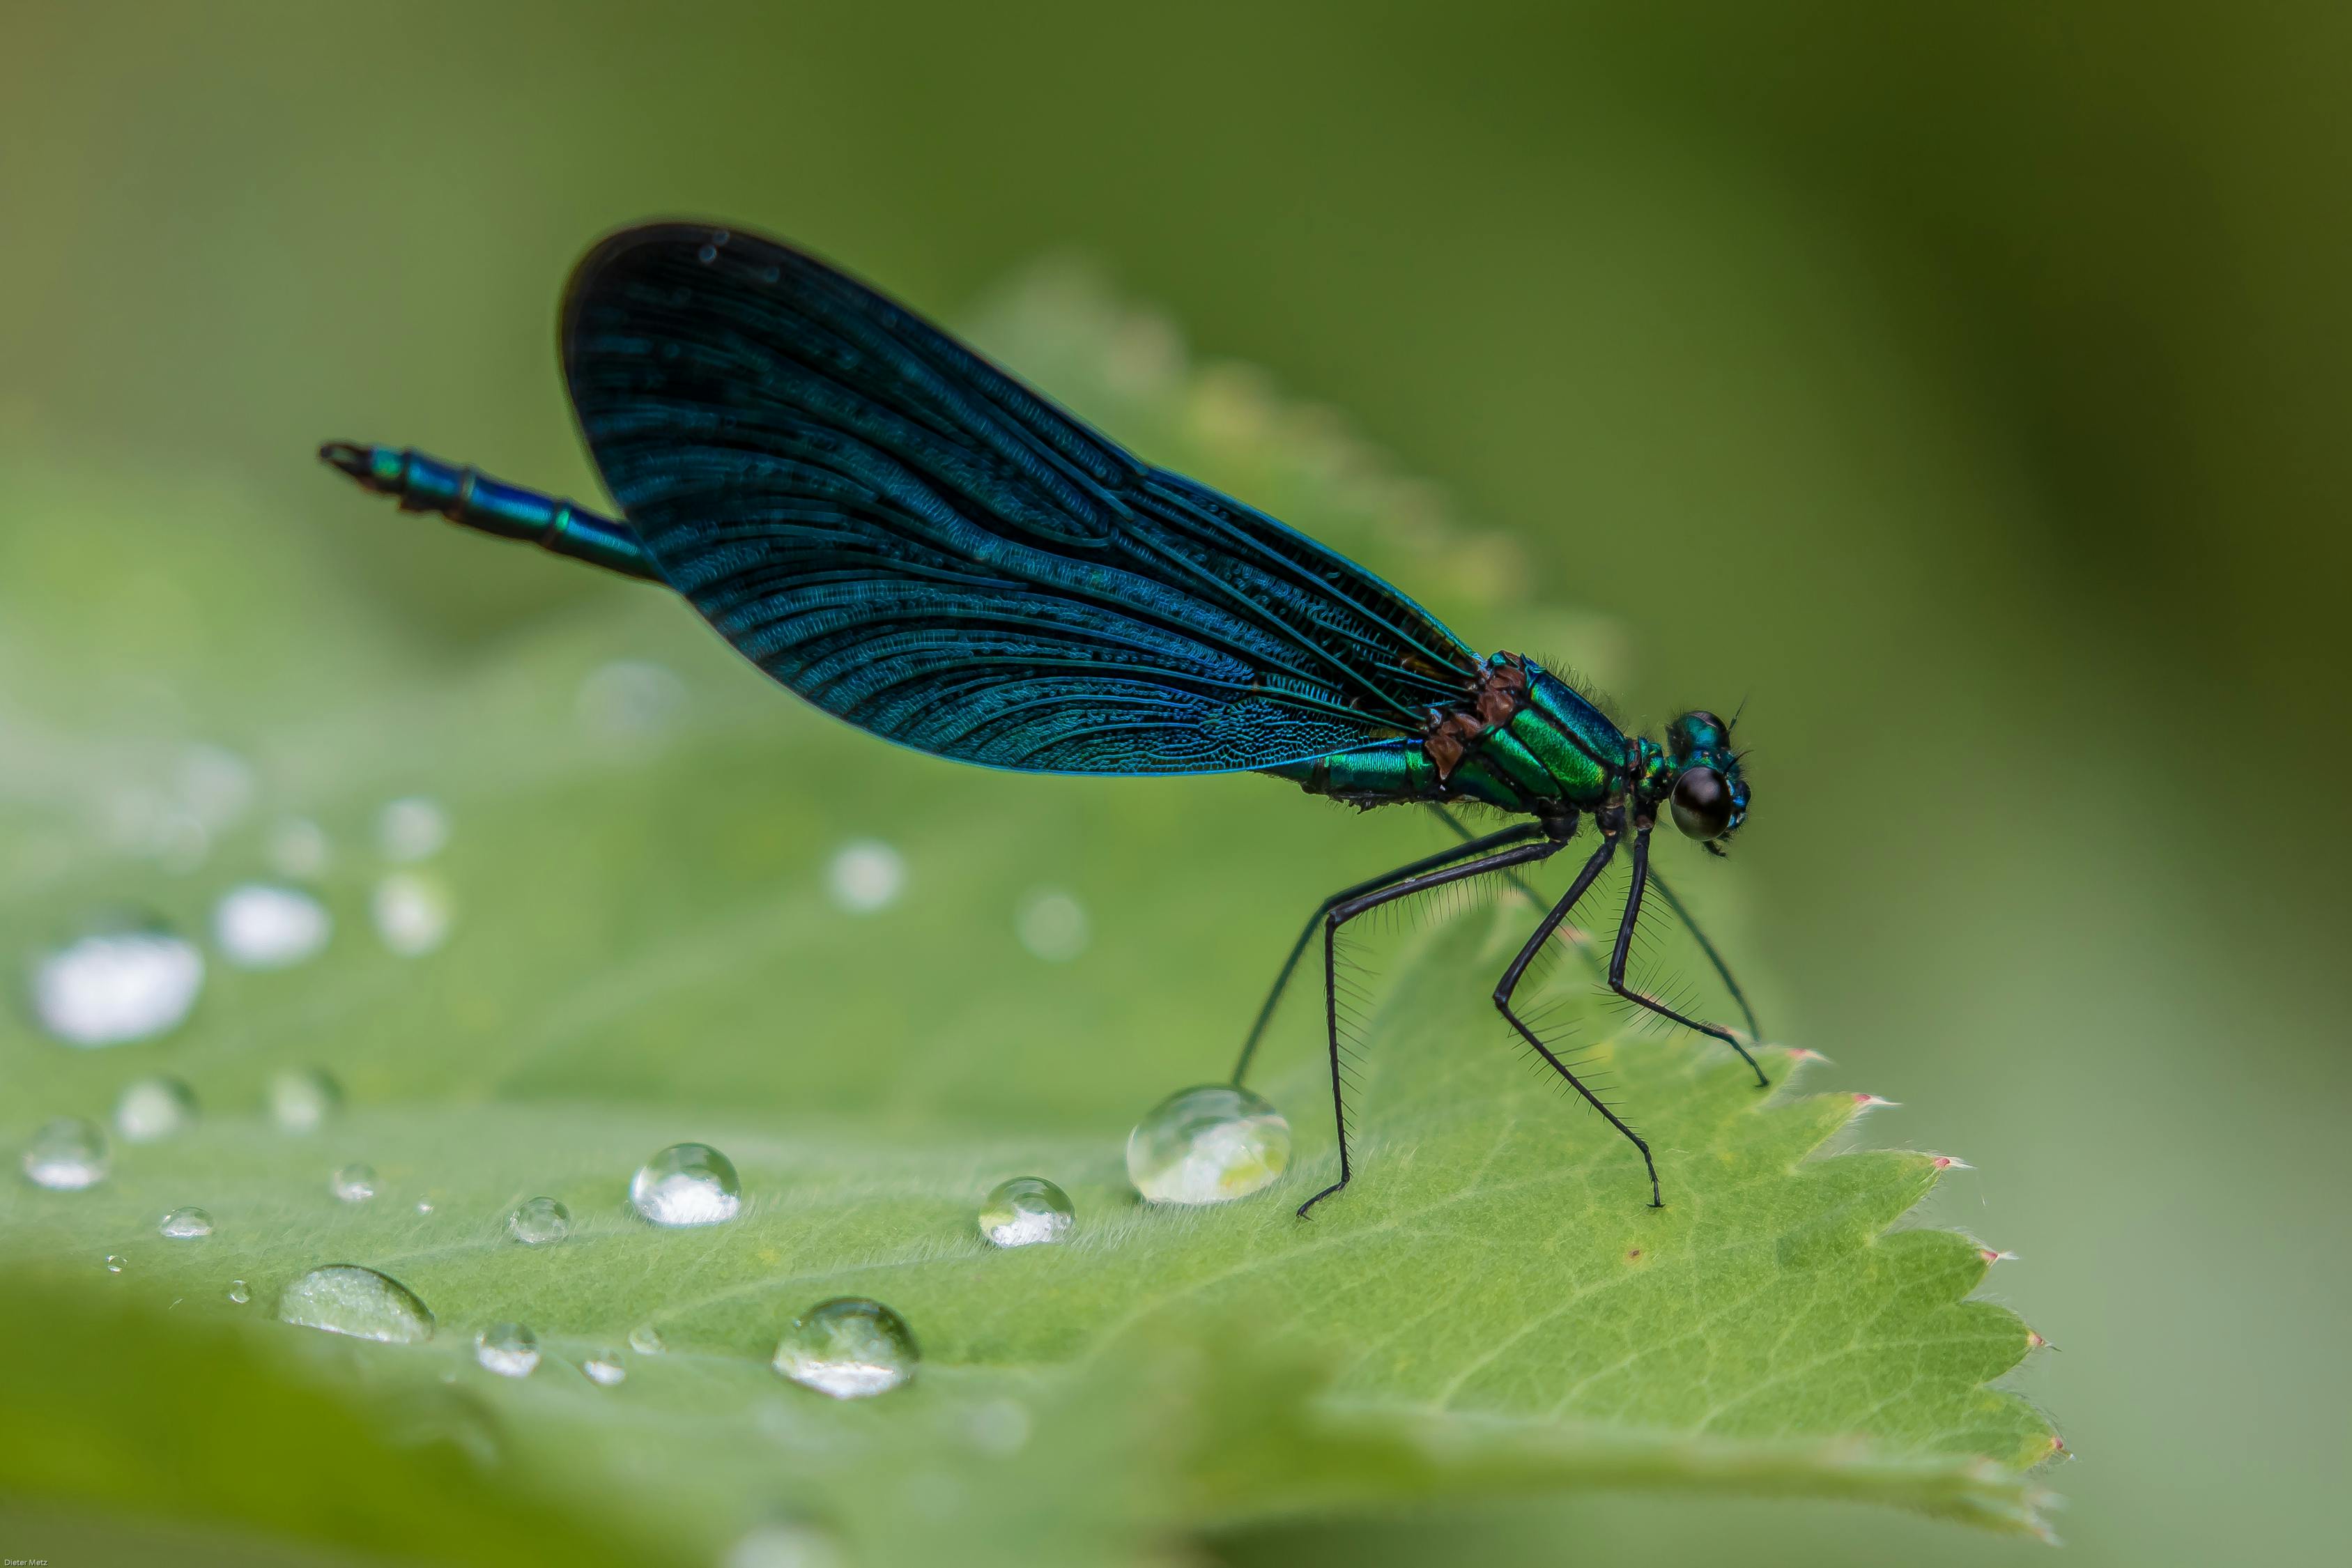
<point x="916" y="543"/>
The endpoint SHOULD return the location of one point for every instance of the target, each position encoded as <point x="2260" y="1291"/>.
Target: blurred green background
<point x="1961" y="389"/>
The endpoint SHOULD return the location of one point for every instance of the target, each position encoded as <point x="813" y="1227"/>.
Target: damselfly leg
<point x="1625" y="943"/>
<point x="1340" y="914"/>
<point x="1503" y="988"/>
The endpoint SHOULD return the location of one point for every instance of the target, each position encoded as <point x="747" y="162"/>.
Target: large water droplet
<point x="849" y="1347"/>
<point x="153" y="1107"/>
<point x="412" y="913"/>
<point x="185" y="1224"/>
<point x="539" y="1221"/>
<point x="686" y="1184"/>
<point x="646" y="1340"/>
<point x="412" y="828"/>
<point x="297" y="847"/>
<point x="257" y="926"/>
<point x="345" y="1298"/>
<point x="510" y="1349"/>
<point x="1051" y="925"/>
<point x="604" y="1369"/>
<point x="66" y="1155"/>
<point x="785" y="1544"/>
<point x="301" y="1102"/>
<point x="1026" y="1211"/>
<point x="1207" y="1145"/>
<point x="865" y="875"/>
<point x="237" y="1294"/>
<point x="125" y="976"/>
<point x="353" y="1183"/>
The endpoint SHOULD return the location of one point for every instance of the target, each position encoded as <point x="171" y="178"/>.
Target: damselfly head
<point x="1709" y="798"/>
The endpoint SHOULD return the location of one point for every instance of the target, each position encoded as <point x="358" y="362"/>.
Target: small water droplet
<point x="66" y="1155"/>
<point x="707" y="255"/>
<point x="1026" y="1211"/>
<point x="345" y="1298"/>
<point x="353" y="1183"/>
<point x="1207" y="1145"/>
<point x="123" y="976"/>
<point x="412" y="913"/>
<point x="238" y="1293"/>
<point x="301" y="1102"/>
<point x="1051" y="925"/>
<point x="646" y="1340"/>
<point x="849" y="1348"/>
<point x="412" y="828"/>
<point x="604" y="1369"/>
<point x="630" y="706"/>
<point x="510" y="1349"/>
<point x="865" y="875"/>
<point x="424" y="1206"/>
<point x="686" y="1184"/>
<point x="257" y="926"/>
<point x="115" y="1262"/>
<point x="297" y="847"/>
<point x="153" y="1107"/>
<point x="785" y="1544"/>
<point x="185" y="1224"/>
<point x="539" y="1221"/>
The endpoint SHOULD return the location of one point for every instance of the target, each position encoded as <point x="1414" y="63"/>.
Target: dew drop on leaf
<point x="301" y="1102"/>
<point x="646" y="1340"/>
<point x="185" y="1224"/>
<point x="604" y="1369"/>
<point x="848" y="1348"/>
<point x="115" y="1262"/>
<point x="66" y="1155"/>
<point x="353" y="1183"/>
<point x="1026" y="1211"/>
<point x="345" y="1298"/>
<point x="536" y="1222"/>
<point x="125" y="976"/>
<point x="1207" y="1145"/>
<point x="686" y="1184"/>
<point x="237" y="1294"/>
<point x="154" y="1108"/>
<point x="510" y="1349"/>
<point x="865" y="875"/>
<point x="412" y="913"/>
<point x="259" y="926"/>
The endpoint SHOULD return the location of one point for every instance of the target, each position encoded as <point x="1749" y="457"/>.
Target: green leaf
<point x="644" y="951"/>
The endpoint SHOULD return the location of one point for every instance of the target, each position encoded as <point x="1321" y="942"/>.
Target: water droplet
<point x="686" y="1184"/>
<point x="785" y="1544"/>
<point x="297" y="847"/>
<point x="1207" y="1145"/>
<point x="153" y="1107"/>
<point x="353" y="1183"/>
<point x="630" y="706"/>
<point x="185" y="1224"/>
<point x="707" y="255"/>
<point x="424" y="1206"/>
<point x="257" y="926"/>
<point x="646" y="1340"/>
<point x="412" y="913"/>
<point x="539" y="1221"/>
<point x="66" y="1155"/>
<point x="849" y="1348"/>
<point x="604" y="1369"/>
<point x="1026" y="1211"/>
<point x="508" y="1349"/>
<point x="237" y="1294"/>
<point x="412" y="828"/>
<point x="865" y="875"/>
<point x="115" y="1262"/>
<point x="1051" y="925"/>
<point x="124" y="976"/>
<point x="345" y="1298"/>
<point x="301" y="1102"/>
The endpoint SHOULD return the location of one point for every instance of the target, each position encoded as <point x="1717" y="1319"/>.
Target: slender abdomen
<point x="471" y="499"/>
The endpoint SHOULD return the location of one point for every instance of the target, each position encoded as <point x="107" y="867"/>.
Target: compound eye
<point x="1702" y="804"/>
